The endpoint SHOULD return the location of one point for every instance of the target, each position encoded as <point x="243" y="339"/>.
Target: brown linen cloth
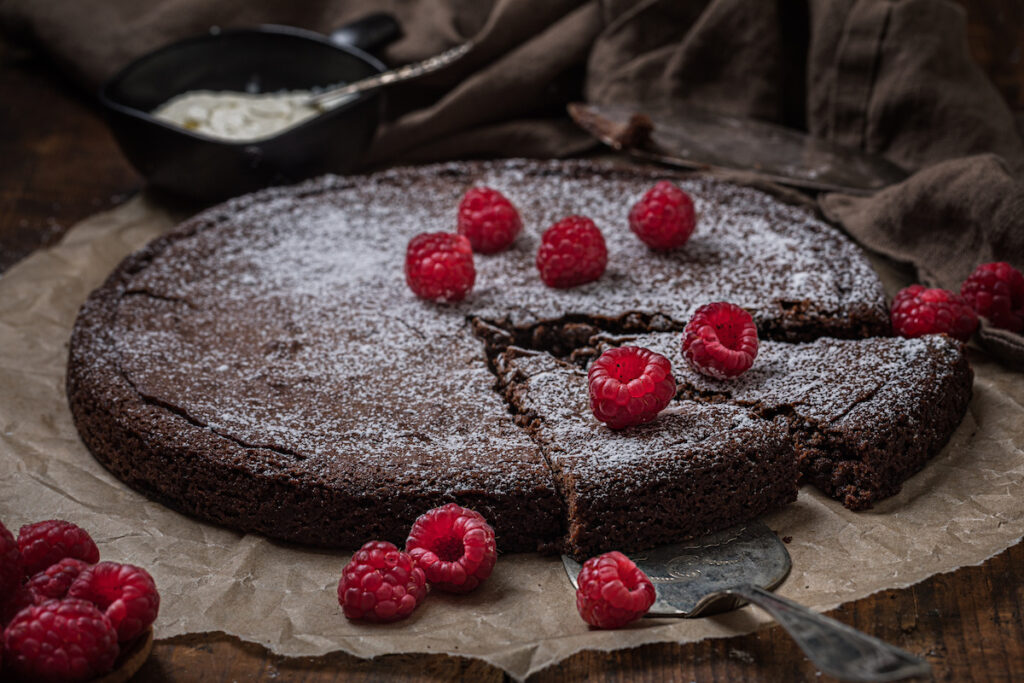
<point x="892" y="77"/>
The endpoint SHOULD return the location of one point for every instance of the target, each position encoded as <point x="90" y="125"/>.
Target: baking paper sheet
<point x="963" y="508"/>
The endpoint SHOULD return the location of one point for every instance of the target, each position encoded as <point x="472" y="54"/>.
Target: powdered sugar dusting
<point x="282" y="320"/>
<point x="829" y="381"/>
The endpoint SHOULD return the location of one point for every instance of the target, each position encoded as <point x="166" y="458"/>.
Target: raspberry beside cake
<point x="265" y="366"/>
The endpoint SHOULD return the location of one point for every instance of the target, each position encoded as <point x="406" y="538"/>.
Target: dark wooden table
<point x="58" y="164"/>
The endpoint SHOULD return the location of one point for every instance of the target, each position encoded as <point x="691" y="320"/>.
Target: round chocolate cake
<point x="265" y="366"/>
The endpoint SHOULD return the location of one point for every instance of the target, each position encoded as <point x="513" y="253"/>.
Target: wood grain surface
<point x="59" y="164"/>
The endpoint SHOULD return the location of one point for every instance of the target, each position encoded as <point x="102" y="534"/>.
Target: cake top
<point x="831" y="381"/>
<point x="281" y="321"/>
<point x="686" y="434"/>
<point x="791" y="270"/>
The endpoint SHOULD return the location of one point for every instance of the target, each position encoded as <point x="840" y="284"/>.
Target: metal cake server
<point x="691" y="137"/>
<point x="728" y="569"/>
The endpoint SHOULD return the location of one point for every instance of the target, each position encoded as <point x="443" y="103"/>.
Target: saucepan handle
<point x="835" y="648"/>
<point x="370" y="33"/>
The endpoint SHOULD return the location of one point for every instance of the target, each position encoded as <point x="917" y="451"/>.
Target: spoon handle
<point x="836" y="649"/>
<point x="331" y="98"/>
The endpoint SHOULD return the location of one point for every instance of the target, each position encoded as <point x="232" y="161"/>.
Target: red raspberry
<point x="489" y="220"/>
<point x="917" y="311"/>
<point x="572" y="252"/>
<point x="21" y="598"/>
<point x="664" y="218"/>
<point x="612" y="591"/>
<point x="53" y="582"/>
<point x="996" y="291"/>
<point x="439" y="266"/>
<point x="720" y="340"/>
<point x="60" y="640"/>
<point x="127" y="595"/>
<point x="454" y="546"/>
<point x="381" y="583"/>
<point x="12" y="568"/>
<point x="45" y="543"/>
<point x="630" y="385"/>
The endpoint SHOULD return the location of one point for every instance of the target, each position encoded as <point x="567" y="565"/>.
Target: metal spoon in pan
<point x="329" y="99"/>
<point x="725" y="570"/>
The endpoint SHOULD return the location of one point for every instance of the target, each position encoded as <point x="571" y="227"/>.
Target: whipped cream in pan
<point x="238" y="116"/>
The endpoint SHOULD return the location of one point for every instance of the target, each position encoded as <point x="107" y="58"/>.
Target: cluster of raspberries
<point x="994" y="291"/>
<point x="630" y="385"/>
<point x="65" y="614"/>
<point x="452" y="549"/>
<point x="439" y="265"/>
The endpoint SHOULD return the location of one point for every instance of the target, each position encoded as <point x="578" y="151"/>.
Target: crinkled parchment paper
<point x="963" y="508"/>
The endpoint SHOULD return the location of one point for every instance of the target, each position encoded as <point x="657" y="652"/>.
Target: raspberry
<point x="996" y="291"/>
<point x="454" y="546"/>
<point x="630" y="385"/>
<point x="572" y="252"/>
<point x="664" y="217"/>
<point x="917" y="311"/>
<point x="60" y="640"/>
<point x="612" y="591"/>
<point x="53" y="582"/>
<point x="12" y="568"/>
<point x="381" y="583"/>
<point x="127" y="595"/>
<point x="439" y="266"/>
<point x="45" y="543"/>
<point x="720" y="340"/>
<point x="21" y="598"/>
<point x="489" y="220"/>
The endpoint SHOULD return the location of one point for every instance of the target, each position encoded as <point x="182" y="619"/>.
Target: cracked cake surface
<point x="265" y="366"/>
<point x="864" y="415"/>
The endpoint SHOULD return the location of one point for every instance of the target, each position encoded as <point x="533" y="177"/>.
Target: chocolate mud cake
<point x="265" y="366"/>
<point x="864" y="415"/>
<point x="697" y="468"/>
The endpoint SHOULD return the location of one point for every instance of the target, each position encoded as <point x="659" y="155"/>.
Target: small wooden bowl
<point x="130" y="660"/>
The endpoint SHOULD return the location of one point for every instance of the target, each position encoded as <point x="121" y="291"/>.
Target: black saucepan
<point x="265" y="59"/>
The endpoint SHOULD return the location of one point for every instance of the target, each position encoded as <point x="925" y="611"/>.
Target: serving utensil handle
<point x="332" y="98"/>
<point x="835" y="648"/>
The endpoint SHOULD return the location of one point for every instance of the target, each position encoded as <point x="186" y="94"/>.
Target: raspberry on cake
<point x="720" y="340"/>
<point x="630" y="386"/>
<point x="454" y="546"/>
<point x="60" y="641"/>
<point x="572" y="252"/>
<point x="439" y="266"/>
<point x="612" y="591"/>
<point x="917" y="310"/>
<point x="381" y="583"/>
<point x="664" y="218"/>
<point x="996" y="291"/>
<point x="127" y="595"/>
<point x="489" y="220"/>
<point x="45" y="543"/>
